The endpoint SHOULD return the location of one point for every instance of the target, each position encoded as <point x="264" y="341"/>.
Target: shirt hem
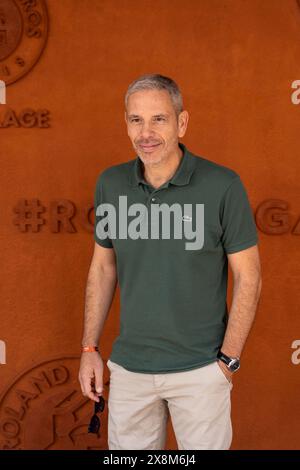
<point x="165" y="371"/>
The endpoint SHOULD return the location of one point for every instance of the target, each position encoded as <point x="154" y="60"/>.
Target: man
<point x="178" y="345"/>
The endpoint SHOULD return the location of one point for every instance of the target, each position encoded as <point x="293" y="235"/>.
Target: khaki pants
<point x="198" y="400"/>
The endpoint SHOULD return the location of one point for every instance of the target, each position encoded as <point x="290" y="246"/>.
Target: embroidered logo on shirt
<point x="187" y="218"/>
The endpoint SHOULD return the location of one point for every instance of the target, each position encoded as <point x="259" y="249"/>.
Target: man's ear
<point x="183" y="120"/>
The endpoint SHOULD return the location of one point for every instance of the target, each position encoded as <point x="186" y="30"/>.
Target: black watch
<point x="232" y="363"/>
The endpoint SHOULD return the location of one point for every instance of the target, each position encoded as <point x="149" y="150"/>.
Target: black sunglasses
<point x="94" y="425"/>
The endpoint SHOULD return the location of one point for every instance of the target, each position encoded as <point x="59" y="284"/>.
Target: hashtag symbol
<point x="29" y="215"/>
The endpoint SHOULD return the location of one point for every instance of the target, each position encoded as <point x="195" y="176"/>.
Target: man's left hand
<point x="225" y="371"/>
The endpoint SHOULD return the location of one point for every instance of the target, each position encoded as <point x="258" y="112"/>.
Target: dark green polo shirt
<point x="173" y="301"/>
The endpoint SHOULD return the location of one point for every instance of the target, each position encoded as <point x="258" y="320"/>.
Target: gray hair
<point x="154" y="81"/>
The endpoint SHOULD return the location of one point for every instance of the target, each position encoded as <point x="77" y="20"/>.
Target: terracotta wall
<point x="235" y="61"/>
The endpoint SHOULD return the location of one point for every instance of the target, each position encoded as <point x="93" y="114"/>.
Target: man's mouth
<point x="149" y="147"/>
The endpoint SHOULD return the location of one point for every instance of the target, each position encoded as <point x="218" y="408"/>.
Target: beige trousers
<point x="198" y="401"/>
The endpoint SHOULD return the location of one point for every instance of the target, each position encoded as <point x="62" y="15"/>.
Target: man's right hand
<point x="91" y="375"/>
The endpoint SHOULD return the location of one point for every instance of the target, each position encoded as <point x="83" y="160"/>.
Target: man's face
<point x="152" y="125"/>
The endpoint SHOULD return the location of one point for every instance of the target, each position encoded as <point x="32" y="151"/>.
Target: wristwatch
<point x="232" y="363"/>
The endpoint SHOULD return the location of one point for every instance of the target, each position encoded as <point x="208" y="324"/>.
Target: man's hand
<point x="91" y="375"/>
<point x="226" y="371"/>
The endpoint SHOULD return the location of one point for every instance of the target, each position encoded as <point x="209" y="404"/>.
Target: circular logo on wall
<point x="44" y="409"/>
<point x="23" y="35"/>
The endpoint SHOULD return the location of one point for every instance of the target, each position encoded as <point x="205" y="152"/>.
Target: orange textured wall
<point x="235" y="62"/>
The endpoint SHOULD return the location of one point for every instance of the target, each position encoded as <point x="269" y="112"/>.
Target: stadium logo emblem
<point x="44" y="409"/>
<point x="23" y="35"/>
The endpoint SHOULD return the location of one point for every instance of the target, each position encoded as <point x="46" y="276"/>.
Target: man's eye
<point x="160" y="119"/>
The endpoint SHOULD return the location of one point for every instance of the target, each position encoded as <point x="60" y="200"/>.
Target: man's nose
<point x="146" y="129"/>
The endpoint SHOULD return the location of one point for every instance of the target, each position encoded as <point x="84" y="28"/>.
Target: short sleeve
<point x="98" y="199"/>
<point x="237" y="220"/>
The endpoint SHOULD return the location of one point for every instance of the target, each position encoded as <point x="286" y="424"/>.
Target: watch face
<point x="235" y="365"/>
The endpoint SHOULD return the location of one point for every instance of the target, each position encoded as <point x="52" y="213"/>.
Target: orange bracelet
<point x="89" y="348"/>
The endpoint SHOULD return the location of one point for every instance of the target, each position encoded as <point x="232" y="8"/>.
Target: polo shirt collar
<point x="181" y="176"/>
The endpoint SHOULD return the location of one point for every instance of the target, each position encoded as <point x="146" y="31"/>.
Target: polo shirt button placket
<point x="153" y="200"/>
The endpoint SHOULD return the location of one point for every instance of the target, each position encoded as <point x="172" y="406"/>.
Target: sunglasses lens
<point x="94" y="425"/>
<point x="99" y="405"/>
